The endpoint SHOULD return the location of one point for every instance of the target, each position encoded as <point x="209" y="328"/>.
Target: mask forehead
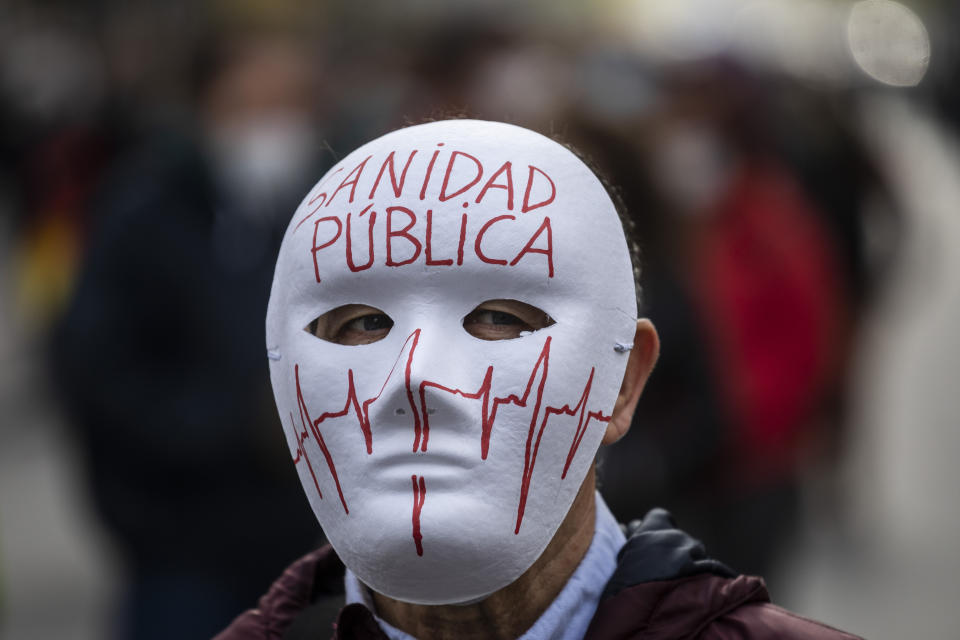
<point x="453" y="209"/>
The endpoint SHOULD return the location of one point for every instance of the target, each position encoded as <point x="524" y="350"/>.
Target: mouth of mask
<point x="442" y="337"/>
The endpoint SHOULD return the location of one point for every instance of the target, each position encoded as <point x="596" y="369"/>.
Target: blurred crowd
<point x="153" y="153"/>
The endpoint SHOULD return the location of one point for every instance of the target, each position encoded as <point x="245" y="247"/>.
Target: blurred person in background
<point x="57" y="136"/>
<point x="158" y="354"/>
<point x="757" y="273"/>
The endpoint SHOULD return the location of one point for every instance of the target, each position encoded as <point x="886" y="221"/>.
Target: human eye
<point x="491" y="317"/>
<point x="504" y="320"/>
<point x="364" y="330"/>
<point x="352" y="324"/>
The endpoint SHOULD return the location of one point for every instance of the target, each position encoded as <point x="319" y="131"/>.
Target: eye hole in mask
<point x="505" y="320"/>
<point x="351" y="324"/>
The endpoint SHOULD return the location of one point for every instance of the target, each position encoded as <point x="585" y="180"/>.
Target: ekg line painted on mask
<point x="419" y="495"/>
<point x="489" y="416"/>
<point x="490" y="404"/>
<point x="301" y="450"/>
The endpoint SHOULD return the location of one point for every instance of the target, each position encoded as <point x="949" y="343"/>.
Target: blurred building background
<point x="793" y="172"/>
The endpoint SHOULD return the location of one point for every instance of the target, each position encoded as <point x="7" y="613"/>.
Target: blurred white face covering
<point x="439" y="464"/>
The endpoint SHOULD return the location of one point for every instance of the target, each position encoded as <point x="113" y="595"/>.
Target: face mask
<point x="692" y="168"/>
<point x="259" y="160"/>
<point x="440" y="465"/>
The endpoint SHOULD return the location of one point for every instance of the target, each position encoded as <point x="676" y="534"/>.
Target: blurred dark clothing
<point x="161" y="361"/>
<point x="665" y="587"/>
<point x="752" y="327"/>
<point x="678" y="428"/>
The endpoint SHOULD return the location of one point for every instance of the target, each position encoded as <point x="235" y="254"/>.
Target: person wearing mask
<point x="452" y="334"/>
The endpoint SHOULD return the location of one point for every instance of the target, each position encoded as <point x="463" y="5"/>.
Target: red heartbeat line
<point x="419" y="495"/>
<point x="421" y="424"/>
<point x="310" y="425"/>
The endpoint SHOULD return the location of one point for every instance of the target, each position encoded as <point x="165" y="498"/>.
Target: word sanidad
<point x="405" y="235"/>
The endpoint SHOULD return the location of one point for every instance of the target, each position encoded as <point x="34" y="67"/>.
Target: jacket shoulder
<point x="666" y="587"/>
<point x="762" y="620"/>
<point x="317" y="574"/>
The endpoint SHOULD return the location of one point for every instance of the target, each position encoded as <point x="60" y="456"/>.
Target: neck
<point x="509" y="612"/>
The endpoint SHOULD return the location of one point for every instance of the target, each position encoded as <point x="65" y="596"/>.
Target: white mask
<point x="441" y="465"/>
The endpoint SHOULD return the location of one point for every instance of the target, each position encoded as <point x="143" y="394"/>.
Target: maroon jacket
<point x="664" y="588"/>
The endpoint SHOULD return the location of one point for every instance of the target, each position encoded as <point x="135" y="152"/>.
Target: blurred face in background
<point x="258" y="116"/>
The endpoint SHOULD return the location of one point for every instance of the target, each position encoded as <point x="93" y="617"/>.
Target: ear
<point x="646" y="348"/>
